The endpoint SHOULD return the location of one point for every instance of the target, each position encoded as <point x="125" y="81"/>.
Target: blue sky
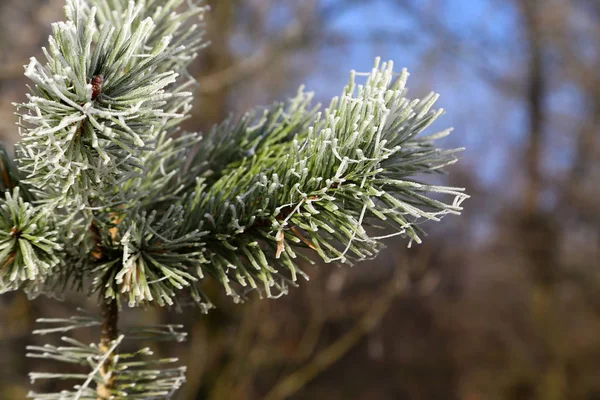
<point x="472" y="104"/>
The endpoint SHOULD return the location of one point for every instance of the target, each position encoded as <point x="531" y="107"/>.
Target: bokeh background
<point x="502" y="302"/>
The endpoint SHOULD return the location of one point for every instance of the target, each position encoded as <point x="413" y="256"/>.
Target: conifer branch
<point x="117" y="374"/>
<point x="107" y="196"/>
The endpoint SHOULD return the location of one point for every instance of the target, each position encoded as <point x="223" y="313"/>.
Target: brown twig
<point x="108" y="333"/>
<point x="331" y="354"/>
<point x="5" y="177"/>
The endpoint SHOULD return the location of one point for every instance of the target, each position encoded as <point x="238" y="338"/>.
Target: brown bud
<point x="97" y="86"/>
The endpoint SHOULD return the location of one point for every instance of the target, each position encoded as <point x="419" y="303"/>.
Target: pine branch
<point x="320" y="189"/>
<point x="117" y="374"/>
<point x="151" y="259"/>
<point x="106" y="195"/>
<point x="102" y="98"/>
<point x="28" y="244"/>
<point x="234" y="140"/>
<point x="282" y="184"/>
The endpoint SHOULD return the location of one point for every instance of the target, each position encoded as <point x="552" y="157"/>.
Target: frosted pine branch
<point x="286" y="186"/>
<point x="101" y="98"/>
<point x="107" y="196"/>
<point x="137" y="376"/>
<point x="28" y="244"/>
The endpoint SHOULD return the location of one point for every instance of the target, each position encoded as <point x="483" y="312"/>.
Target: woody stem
<point x="108" y="333"/>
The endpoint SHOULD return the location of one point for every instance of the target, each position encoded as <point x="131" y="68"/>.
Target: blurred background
<point x="502" y="302"/>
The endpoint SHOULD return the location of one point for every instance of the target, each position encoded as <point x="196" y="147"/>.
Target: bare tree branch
<point x="335" y="351"/>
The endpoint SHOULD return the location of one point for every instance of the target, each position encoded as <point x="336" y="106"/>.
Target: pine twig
<point x="109" y="332"/>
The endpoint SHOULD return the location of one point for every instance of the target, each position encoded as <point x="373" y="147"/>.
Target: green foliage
<point x="154" y="259"/>
<point x="109" y="197"/>
<point x="28" y="247"/>
<point x="291" y="179"/>
<point x="101" y="98"/>
<point x="155" y="211"/>
<point x="136" y="376"/>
